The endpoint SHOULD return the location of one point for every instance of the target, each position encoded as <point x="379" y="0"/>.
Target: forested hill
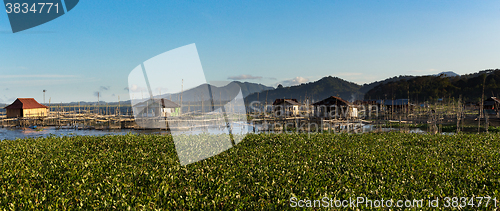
<point x="315" y="91"/>
<point x="429" y="88"/>
<point x="367" y="87"/>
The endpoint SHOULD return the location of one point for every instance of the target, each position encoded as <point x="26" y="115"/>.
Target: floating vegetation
<point x="262" y="172"/>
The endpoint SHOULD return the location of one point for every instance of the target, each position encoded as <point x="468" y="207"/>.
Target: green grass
<point x="262" y="172"/>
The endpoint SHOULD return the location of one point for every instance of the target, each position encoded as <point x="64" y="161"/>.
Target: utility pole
<point x="482" y="104"/>
<point x="182" y="90"/>
<point x="408" y="106"/>
<point x="482" y="97"/>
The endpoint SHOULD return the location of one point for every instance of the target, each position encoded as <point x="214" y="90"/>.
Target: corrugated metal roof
<point x="25" y="103"/>
<point x="332" y="100"/>
<point x="289" y="101"/>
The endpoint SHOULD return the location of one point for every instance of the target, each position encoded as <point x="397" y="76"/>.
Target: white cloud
<point x="294" y="81"/>
<point x="244" y="77"/>
<point x="135" y="88"/>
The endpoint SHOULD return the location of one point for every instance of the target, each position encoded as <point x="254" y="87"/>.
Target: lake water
<point x="14" y="133"/>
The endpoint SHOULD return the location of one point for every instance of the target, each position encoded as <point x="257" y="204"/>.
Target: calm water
<point x="14" y="133"/>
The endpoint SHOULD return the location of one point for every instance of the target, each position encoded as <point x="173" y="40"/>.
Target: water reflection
<point x="15" y="133"/>
<point x="238" y="128"/>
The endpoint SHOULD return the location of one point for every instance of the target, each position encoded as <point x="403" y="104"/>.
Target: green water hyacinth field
<point x="262" y="172"/>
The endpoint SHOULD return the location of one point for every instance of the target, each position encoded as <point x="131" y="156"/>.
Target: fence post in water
<point x="478" y="122"/>
<point x="486" y="125"/>
<point x="399" y="123"/>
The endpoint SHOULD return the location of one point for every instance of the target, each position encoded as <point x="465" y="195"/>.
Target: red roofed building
<point x="26" y="107"/>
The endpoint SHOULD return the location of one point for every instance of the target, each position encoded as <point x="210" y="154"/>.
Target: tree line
<point x="431" y="88"/>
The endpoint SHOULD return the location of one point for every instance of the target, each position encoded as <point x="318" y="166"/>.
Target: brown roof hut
<point x="332" y="107"/>
<point x="26" y="107"/>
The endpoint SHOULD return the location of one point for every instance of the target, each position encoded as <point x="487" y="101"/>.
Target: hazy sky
<point x="96" y="45"/>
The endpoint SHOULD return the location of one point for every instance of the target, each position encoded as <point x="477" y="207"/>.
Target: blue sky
<point x="94" y="47"/>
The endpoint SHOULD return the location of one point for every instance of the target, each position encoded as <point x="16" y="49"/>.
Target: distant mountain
<point x="418" y="87"/>
<point x="224" y="93"/>
<point x="429" y="88"/>
<point x="447" y="74"/>
<point x="248" y="88"/>
<point x="367" y="87"/>
<point x="314" y="91"/>
<point x="84" y="103"/>
<point x="473" y="75"/>
<point x="444" y="84"/>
